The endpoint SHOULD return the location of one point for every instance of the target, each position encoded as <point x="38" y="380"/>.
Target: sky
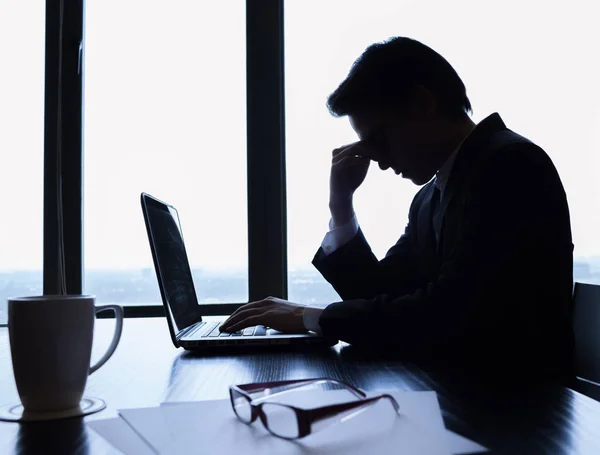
<point x="165" y="113"/>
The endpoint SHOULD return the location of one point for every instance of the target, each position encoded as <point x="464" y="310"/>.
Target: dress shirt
<point x="338" y="236"/>
<point x="311" y="316"/>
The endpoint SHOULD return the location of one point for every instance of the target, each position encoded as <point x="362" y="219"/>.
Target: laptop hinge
<point x="188" y="329"/>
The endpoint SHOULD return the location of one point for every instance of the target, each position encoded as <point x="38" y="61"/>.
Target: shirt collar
<point x="441" y="178"/>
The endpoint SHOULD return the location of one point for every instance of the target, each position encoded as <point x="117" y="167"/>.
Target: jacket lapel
<point x="466" y="157"/>
<point x="426" y="233"/>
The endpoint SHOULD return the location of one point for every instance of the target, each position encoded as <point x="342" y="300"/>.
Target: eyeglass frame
<point x="306" y="418"/>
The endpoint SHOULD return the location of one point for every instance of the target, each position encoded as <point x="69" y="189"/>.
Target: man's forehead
<point x="365" y="124"/>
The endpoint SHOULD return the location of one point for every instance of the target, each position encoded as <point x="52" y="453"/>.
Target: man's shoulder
<point x="511" y="149"/>
<point x="505" y="160"/>
<point x="519" y="164"/>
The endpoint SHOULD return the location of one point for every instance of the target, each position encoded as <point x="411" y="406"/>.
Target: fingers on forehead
<point x="341" y="149"/>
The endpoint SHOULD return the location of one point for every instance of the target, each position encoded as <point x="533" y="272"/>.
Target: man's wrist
<point x="312" y="314"/>
<point x="342" y="210"/>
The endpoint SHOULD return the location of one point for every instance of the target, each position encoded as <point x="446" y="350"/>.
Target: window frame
<point x="64" y="153"/>
<point x="63" y="146"/>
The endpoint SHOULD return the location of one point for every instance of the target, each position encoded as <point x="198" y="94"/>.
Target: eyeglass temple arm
<point x="320" y="418"/>
<point x="296" y="383"/>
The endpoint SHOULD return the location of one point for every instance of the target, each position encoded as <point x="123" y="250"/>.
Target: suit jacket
<point x="496" y="289"/>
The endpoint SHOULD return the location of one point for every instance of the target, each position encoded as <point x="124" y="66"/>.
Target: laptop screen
<point x="171" y="261"/>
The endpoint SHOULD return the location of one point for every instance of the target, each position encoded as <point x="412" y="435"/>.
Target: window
<point x="535" y="68"/>
<point x="165" y="113"/>
<point x="22" y="147"/>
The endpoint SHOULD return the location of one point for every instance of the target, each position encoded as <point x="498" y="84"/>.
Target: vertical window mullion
<point x="63" y="153"/>
<point x="267" y="231"/>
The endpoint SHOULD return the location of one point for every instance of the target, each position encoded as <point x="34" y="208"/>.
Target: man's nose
<point x="383" y="165"/>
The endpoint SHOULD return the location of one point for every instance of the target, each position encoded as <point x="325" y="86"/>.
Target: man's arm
<point x="355" y="272"/>
<point x="399" y="261"/>
<point x="349" y="264"/>
<point x="338" y="236"/>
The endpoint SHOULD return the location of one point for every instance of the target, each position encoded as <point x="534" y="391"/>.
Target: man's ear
<point x="424" y="103"/>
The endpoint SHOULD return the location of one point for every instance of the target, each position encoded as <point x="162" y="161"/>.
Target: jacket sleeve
<point x="484" y="283"/>
<point x="355" y="272"/>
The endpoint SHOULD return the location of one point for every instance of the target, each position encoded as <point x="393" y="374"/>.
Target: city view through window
<point x="21" y="148"/>
<point x="166" y="114"/>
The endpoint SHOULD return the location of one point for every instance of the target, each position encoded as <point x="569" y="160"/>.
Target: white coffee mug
<point x="51" y="345"/>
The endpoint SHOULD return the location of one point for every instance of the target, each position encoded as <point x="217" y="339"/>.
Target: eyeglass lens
<point x="241" y="406"/>
<point x="281" y="420"/>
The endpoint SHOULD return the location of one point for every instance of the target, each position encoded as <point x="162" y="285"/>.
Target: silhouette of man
<point x="484" y="267"/>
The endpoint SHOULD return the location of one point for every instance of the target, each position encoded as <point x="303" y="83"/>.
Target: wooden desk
<point x="147" y="369"/>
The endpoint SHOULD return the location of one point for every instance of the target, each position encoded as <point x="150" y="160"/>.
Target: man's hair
<point x="386" y="73"/>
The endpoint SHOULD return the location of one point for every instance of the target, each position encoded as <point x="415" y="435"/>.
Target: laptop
<point x="183" y="313"/>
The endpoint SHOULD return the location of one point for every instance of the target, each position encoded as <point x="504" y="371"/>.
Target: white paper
<point x="459" y="445"/>
<point x="151" y="425"/>
<point x="207" y="426"/>
<point x="121" y="436"/>
<point x="159" y="430"/>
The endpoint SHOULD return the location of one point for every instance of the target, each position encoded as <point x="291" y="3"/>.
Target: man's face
<point x="400" y="142"/>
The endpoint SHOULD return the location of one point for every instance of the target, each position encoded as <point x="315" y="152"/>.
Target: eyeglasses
<point x="289" y="422"/>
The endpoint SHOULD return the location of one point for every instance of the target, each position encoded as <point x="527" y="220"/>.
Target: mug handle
<point x="116" y="337"/>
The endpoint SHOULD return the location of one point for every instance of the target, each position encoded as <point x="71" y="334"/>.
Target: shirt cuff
<point x="338" y="236"/>
<point x="311" y="316"/>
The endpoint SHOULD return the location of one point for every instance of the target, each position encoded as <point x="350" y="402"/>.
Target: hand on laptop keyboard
<point x="271" y="312"/>
<point x="259" y="330"/>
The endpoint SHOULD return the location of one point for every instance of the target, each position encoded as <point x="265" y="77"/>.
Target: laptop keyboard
<point x="211" y="330"/>
<point x="257" y="331"/>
